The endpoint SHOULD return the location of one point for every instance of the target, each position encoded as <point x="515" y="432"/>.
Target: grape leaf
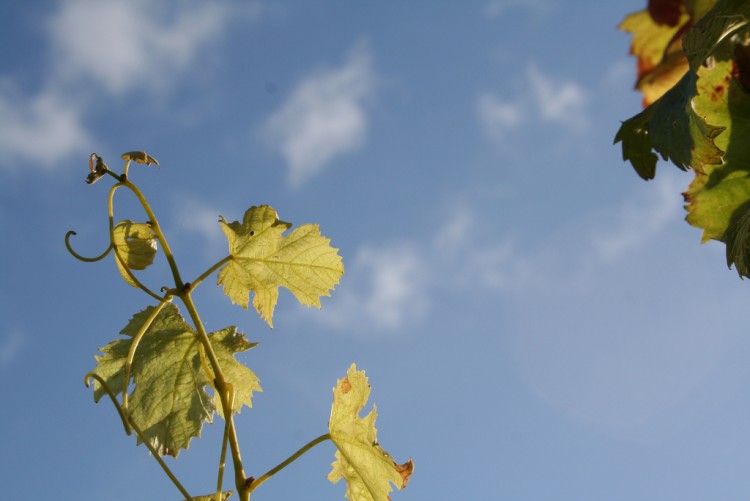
<point x="671" y="125"/>
<point x="368" y="470"/>
<point x="672" y="128"/>
<point x="263" y="259"/>
<point x="169" y="401"/>
<point x="658" y="47"/>
<point x="724" y="19"/>
<point x="244" y="381"/>
<point x="135" y="244"/>
<point x="715" y="199"/>
<point x="702" y="123"/>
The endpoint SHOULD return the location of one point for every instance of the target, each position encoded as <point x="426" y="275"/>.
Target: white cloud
<point x="119" y="45"/>
<point x="558" y="101"/>
<point x="384" y="291"/>
<point x="123" y="45"/>
<point x="544" y="99"/>
<point x="388" y="288"/>
<point x="42" y="130"/>
<point x="324" y="117"/>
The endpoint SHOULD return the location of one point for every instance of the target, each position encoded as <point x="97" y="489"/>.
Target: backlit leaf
<point x="263" y="259"/>
<point x="715" y="196"/>
<point x="702" y="124"/>
<point x="226" y="343"/>
<point x="169" y="398"/>
<point x="658" y="47"/>
<point x="368" y="470"/>
<point x="135" y="244"/>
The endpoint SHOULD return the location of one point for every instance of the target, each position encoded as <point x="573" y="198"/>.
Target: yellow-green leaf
<point x="263" y="259"/>
<point x="135" y="246"/>
<point x="658" y="47"/>
<point x="368" y="470"/>
<point x="169" y="399"/>
<point x="226" y="343"/>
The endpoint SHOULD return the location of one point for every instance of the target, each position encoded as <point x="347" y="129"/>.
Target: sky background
<point x="536" y="322"/>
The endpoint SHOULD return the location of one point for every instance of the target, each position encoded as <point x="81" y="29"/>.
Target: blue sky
<point x="537" y="323"/>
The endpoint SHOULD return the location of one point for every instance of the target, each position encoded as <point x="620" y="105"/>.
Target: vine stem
<point x="222" y="388"/>
<point x="183" y="292"/>
<point x="179" y="284"/>
<point x="159" y="460"/>
<point x="123" y="265"/>
<point x="134" y="346"/>
<point x="223" y="456"/>
<point x="129" y="423"/>
<point x="273" y="471"/>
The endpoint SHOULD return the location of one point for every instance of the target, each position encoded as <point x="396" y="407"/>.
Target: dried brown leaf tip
<point x="97" y="167"/>
<point x="140" y="157"/>
<point x="405" y="470"/>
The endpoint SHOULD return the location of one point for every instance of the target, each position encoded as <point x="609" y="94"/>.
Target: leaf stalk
<point x="255" y="484"/>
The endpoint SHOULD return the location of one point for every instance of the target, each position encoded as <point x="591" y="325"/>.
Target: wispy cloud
<point x="39" y="131"/>
<point x="10" y="346"/>
<point x="389" y="287"/>
<point x="110" y="48"/>
<point x="546" y="100"/>
<point x="124" y="45"/>
<point x="498" y="116"/>
<point x="385" y="290"/>
<point x="496" y="8"/>
<point x="558" y="101"/>
<point x="324" y="117"/>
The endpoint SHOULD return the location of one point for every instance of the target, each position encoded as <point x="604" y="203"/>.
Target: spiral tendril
<point x="83" y="258"/>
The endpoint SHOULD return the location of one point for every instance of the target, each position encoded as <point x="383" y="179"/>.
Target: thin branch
<point x="208" y="272"/>
<point x="288" y="461"/>
<point x="87" y="382"/>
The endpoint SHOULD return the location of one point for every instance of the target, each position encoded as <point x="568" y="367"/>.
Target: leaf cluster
<point x="694" y="72"/>
<point x="167" y="376"/>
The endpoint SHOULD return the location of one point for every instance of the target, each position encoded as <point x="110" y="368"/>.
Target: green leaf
<point x="672" y="128"/>
<point x="714" y="197"/>
<point x="226" y="343"/>
<point x="726" y="18"/>
<point x="169" y="400"/>
<point x="368" y="470"/>
<point x="263" y="259"/>
<point x="135" y="244"/>
<point x="636" y="144"/>
<point x="737" y="238"/>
